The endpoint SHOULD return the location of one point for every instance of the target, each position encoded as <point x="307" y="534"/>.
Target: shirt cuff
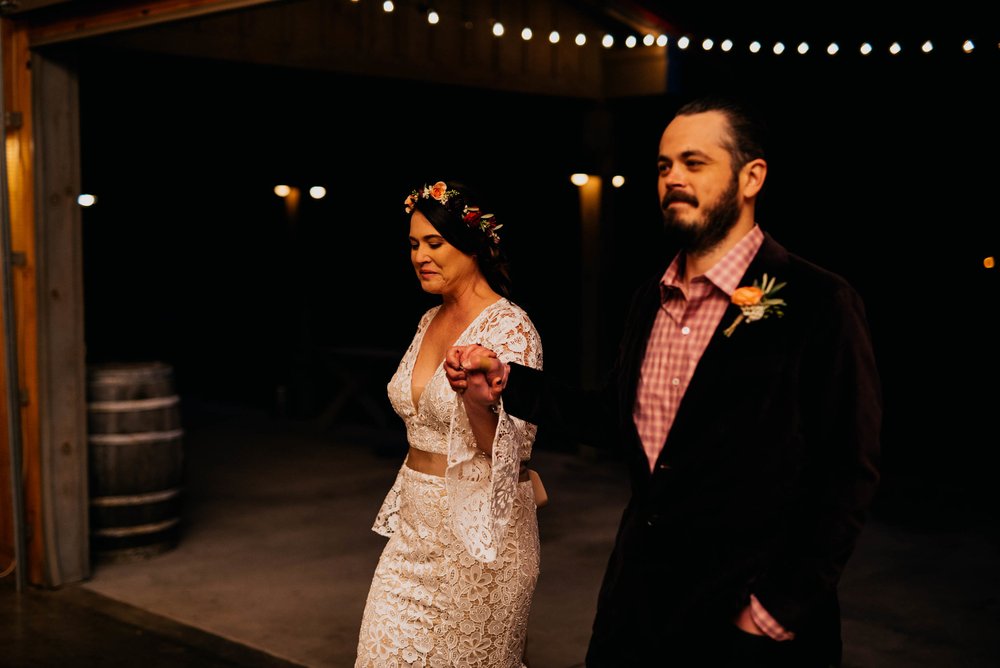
<point x="766" y="623"/>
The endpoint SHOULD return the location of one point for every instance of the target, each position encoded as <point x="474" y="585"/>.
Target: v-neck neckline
<point x="415" y="404"/>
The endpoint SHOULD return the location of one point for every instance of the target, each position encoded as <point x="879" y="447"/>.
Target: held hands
<point x="476" y="373"/>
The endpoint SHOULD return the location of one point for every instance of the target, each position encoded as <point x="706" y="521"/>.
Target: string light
<point x="579" y="179"/>
<point x="86" y="199"/>
<point x="282" y="190"/>
<point x="317" y="192"/>
<point x="617" y="180"/>
<point x="609" y="40"/>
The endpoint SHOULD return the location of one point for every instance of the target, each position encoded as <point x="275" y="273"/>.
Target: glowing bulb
<point x="387" y="6"/>
<point x="433" y="17"/>
<point x="779" y="48"/>
<point x="526" y="34"/>
<point x="607" y="41"/>
<point x="895" y="48"/>
<point x="317" y="192"/>
<point x="968" y="46"/>
<point x="648" y="40"/>
<point x="683" y="42"/>
<point x="282" y="191"/>
<point x="833" y="48"/>
<point x="989" y="262"/>
<point x="617" y="180"/>
<point x="554" y="36"/>
<point x="754" y="46"/>
<point x="630" y="41"/>
<point x="579" y="179"/>
<point x="866" y="48"/>
<point x="498" y="29"/>
<point x="803" y="48"/>
<point x="707" y="44"/>
<point x="86" y="199"/>
<point x="581" y="39"/>
<point x="727" y="45"/>
<point x="927" y="46"/>
<point x="661" y="40"/>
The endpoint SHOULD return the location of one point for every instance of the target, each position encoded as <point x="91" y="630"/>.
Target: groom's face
<point x="696" y="185"/>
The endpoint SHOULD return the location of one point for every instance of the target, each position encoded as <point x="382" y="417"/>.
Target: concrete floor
<point x="276" y="557"/>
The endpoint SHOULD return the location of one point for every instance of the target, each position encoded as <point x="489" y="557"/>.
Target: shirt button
<point x="653" y="519"/>
<point x="685" y="330"/>
<point x="675" y="381"/>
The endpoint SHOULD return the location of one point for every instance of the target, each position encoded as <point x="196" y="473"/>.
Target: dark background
<point x="882" y="169"/>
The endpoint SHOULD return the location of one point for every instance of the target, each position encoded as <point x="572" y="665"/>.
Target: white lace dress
<point x="453" y="586"/>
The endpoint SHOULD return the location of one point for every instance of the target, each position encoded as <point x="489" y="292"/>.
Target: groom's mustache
<point x="678" y="196"/>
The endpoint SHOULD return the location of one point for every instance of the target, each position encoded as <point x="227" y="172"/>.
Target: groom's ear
<point x="752" y="177"/>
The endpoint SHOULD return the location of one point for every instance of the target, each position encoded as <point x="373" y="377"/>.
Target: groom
<point x="747" y="403"/>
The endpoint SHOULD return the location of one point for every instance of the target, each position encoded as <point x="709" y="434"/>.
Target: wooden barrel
<point x="135" y="460"/>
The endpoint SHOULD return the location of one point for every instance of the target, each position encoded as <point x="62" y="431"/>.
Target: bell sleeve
<point x="481" y="488"/>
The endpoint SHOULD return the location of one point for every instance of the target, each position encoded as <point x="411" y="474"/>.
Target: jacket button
<point x="653" y="519"/>
<point x="663" y="467"/>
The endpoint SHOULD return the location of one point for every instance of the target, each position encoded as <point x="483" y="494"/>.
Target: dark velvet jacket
<point x="762" y="484"/>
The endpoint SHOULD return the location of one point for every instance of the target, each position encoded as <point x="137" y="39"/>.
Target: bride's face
<point x="441" y="267"/>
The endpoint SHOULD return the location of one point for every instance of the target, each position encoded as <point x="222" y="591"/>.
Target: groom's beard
<point x="698" y="237"/>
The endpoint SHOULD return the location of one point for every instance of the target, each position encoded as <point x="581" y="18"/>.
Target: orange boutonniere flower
<point x="756" y="302"/>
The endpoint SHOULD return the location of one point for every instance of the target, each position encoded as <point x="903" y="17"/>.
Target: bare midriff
<point x="433" y="463"/>
<point x="430" y="463"/>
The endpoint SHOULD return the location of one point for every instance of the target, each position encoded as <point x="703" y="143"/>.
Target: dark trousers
<point x="723" y="647"/>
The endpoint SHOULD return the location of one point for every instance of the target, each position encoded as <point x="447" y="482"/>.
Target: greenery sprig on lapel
<point x="756" y="302"/>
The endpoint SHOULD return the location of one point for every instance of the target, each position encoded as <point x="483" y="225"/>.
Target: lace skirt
<point x="431" y="604"/>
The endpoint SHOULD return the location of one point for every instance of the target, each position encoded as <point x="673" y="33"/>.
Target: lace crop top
<point x="480" y="489"/>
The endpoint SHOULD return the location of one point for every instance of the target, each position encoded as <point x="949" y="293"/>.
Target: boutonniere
<point x="756" y="302"/>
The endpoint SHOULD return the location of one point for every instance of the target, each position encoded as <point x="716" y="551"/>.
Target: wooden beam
<point x="63" y="24"/>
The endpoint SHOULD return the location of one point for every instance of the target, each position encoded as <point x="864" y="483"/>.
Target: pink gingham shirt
<point x="683" y="327"/>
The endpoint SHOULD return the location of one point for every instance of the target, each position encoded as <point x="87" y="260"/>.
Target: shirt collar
<point x="724" y="274"/>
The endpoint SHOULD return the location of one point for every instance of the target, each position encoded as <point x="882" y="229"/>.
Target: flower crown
<point x="471" y="215"/>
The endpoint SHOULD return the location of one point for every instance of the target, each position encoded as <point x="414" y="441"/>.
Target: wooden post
<point x="20" y="176"/>
<point x="590" y="256"/>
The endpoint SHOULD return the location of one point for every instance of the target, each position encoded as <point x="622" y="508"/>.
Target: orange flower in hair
<point x="439" y="191"/>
